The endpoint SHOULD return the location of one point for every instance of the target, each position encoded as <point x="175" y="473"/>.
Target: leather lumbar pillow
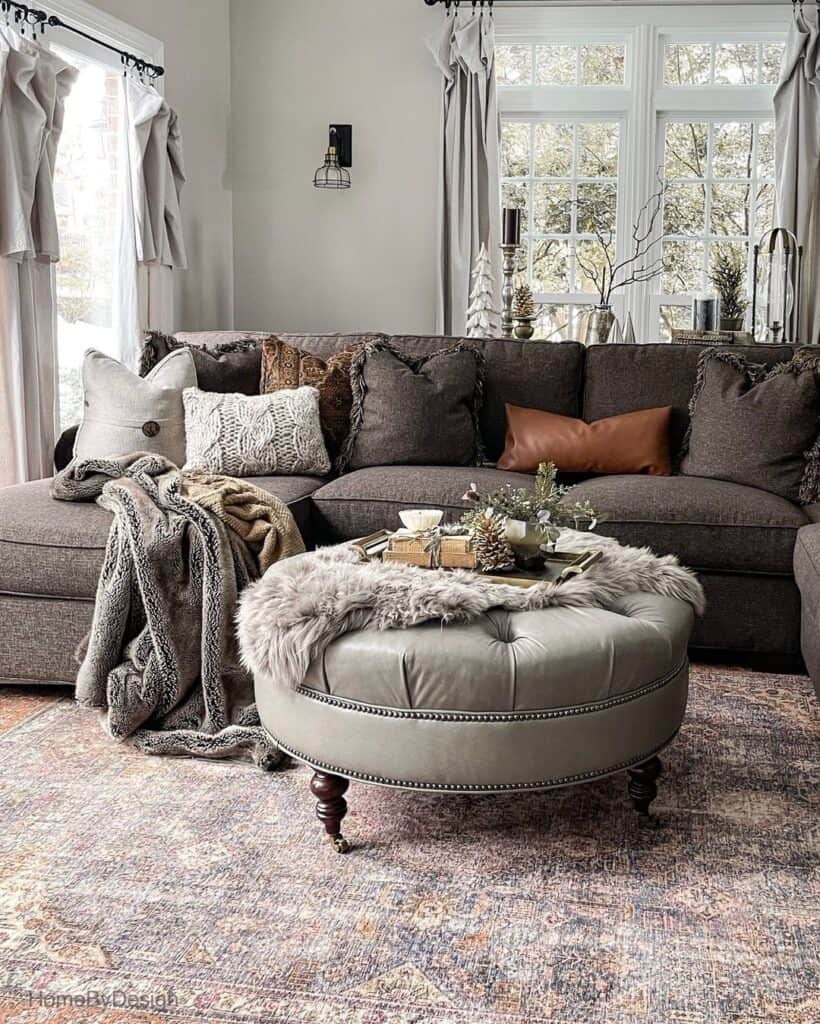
<point x="285" y="367"/>
<point x="636" y="442"/>
<point x="255" y="435"/>
<point x="414" y="411"/>
<point x="124" y="413"/>
<point x="756" y="425"/>
<point x="227" y="367"/>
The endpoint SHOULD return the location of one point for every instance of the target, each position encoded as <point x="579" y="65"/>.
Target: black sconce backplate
<point x="343" y="142"/>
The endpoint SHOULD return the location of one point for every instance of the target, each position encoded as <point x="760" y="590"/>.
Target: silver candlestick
<point x="508" y="266"/>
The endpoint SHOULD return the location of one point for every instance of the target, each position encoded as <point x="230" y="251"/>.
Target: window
<point x="85" y="185"/>
<point x="728" y="63"/>
<point x="719" y="200"/>
<point x="564" y="176"/>
<point x="589" y="122"/>
<point x="561" y="64"/>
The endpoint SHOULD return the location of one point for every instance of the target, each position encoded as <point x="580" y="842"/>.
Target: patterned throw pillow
<point x="256" y="435"/>
<point x="284" y="366"/>
<point x="756" y="425"/>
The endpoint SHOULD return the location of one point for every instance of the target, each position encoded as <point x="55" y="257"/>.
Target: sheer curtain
<point x="33" y="88"/>
<point x="468" y="200"/>
<point x="797" y="156"/>
<point x="150" y="230"/>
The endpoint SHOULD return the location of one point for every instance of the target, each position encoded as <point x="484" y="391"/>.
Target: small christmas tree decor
<point x="482" y="319"/>
<point x="490" y="544"/>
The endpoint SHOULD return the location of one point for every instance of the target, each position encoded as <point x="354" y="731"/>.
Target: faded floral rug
<point x="558" y="908"/>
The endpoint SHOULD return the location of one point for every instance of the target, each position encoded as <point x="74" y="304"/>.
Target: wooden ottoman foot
<point x="329" y="791"/>
<point x="642" y="779"/>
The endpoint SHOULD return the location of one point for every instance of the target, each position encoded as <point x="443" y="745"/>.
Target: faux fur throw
<point x="299" y="607"/>
<point x="161" y="657"/>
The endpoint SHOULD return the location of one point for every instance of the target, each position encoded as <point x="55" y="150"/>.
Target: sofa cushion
<point x="414" y="410"/>
<point x="635" y="442"/>
<point x="56" y="548"/>
<point x="228" y="365"/>
<point x="756" y="425"/>
<point x="370" y="499"/>
<point x="124" y="413"/>
<point x="708" y="524"/>
<point x="623" y="378"/>
<point x="285" y="367"/>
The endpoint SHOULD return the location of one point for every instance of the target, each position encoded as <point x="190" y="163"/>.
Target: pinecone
<point x="523" y="303"/>
<point x="490" y="544"/>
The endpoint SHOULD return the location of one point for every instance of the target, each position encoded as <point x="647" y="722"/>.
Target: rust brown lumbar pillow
<point x="636" y="442"/>
<point x="285" y="367"/>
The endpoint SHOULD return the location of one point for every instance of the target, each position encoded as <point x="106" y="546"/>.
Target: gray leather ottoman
<point x="511" y="701"/>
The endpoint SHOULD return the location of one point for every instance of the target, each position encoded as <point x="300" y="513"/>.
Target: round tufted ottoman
<point x="511" y="701"/>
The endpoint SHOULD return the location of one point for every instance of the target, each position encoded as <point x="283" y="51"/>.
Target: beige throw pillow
<point x="255" y="435"/>
<point x="124" y="413"/>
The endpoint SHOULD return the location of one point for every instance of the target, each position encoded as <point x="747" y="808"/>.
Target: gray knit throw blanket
<point x="300" y="606"/>
<point x="161" y="659"/>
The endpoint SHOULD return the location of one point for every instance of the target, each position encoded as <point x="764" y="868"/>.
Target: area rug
<point x="558" y="908"/>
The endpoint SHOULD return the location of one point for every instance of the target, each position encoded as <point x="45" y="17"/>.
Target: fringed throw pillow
<point x="756" y="425"/>
<point x="255" y="435"/>
<point x="415" y="411"/>
<point x="285" y="367"/>
<point x="227" y="367"/>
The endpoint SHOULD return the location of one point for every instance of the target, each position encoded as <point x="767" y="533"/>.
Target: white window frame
<point x="642" y="104"/>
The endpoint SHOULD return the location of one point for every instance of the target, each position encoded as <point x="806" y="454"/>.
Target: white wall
<point x="316" y="260"/>
<point x="197" y="84"/>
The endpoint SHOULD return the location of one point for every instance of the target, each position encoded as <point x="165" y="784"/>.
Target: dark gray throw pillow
<point x="756" y="425"/>
<point x="414" y="411"/>
<point x="233" y="367"/>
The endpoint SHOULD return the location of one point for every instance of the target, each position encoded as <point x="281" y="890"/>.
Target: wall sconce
<point x="334" y="173"/>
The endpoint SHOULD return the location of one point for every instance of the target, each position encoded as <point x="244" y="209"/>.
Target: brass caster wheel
<point x="340" y="844"/>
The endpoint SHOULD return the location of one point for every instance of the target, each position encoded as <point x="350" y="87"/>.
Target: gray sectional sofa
<point x="752" y="549"/>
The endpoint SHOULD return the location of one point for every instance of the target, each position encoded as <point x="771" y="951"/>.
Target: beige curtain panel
<point x="797" y="149"/>
<point x="468" y="200"/>
<point x="151" y="244"/>
<point x="33" y="89"/>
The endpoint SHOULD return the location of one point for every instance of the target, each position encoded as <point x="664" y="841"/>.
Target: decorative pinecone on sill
<point x="523" y="303"/>
<point x="492" y="550"/>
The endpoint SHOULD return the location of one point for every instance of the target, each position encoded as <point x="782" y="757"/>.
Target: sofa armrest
<point x="807" y="577"/>
<point x="64" y="449"/>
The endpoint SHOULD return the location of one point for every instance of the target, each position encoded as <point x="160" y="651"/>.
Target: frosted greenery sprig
<point x="545" y="503"/>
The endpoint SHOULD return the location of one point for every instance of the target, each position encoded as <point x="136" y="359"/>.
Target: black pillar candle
<point x="512" y="226"/>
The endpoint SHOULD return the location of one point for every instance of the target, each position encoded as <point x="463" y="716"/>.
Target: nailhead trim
<point x="482" y="716"/>
<point x="502" y="787"/>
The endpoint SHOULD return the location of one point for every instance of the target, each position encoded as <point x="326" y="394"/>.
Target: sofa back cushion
<point x="414" y="410"/>
<point x="623" y="378"/>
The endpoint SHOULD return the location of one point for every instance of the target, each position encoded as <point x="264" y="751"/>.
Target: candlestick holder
<point x="508" y="265"/>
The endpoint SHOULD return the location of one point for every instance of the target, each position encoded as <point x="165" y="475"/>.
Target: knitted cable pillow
<point x="255" y="435"/>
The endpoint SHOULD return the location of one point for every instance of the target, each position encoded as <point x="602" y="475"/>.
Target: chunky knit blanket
<point x="298" y="608"/>
<point x="161" y="659"/>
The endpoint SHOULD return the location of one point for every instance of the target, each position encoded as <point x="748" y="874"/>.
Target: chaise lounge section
<point x="746" y="544"/>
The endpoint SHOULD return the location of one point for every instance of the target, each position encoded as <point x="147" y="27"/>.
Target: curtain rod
<point x="613" y="4"/>
<point x="33" y="16"/>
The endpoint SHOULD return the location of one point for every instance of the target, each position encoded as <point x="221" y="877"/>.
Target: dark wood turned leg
<point x="642" y="779"/>
<point x="329" y="790"/>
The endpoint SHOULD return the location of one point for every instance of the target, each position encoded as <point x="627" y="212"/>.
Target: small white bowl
<point x="418" y="520"/>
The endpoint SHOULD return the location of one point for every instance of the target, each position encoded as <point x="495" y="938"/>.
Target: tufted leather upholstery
<point x="511" y="701"/>
<point x="511" y="661"/>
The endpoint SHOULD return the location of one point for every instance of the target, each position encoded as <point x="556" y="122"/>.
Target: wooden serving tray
<point x="558" y="566"/>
